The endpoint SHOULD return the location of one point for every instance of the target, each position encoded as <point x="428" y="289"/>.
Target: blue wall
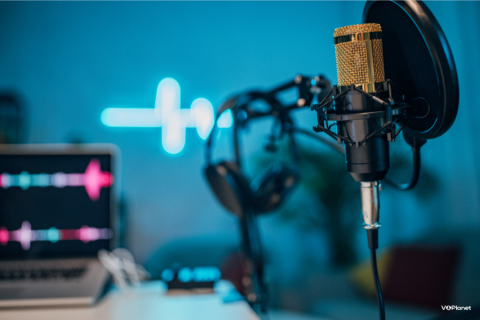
<point x="70" y="60"/>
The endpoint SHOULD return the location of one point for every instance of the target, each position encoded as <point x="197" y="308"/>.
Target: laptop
<point x="56" y="212"/>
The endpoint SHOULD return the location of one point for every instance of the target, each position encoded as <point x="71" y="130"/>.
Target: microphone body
<point x="359" y="58"/>
<point x="370" y="160"/>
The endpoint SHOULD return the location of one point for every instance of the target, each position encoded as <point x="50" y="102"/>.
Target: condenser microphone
<point x="359" y="57"/>
<point x="416" y="89"/>
<point x="363" y="116"/>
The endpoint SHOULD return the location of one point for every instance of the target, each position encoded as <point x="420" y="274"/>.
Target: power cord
<point x="373" y="245"/>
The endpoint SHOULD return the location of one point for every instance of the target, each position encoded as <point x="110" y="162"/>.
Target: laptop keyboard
<point x="42" y="270"/>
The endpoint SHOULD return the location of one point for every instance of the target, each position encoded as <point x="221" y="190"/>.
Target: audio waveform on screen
<point x="93" y="180"/>
<point x="25" y="235"/>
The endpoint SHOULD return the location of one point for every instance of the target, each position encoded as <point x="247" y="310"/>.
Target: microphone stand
<point x="253" y="280"/>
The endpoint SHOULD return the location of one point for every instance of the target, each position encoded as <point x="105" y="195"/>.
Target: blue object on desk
<point x="190" y="278"/>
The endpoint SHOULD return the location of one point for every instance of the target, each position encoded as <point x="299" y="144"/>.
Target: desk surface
<point x="147" y="302"/>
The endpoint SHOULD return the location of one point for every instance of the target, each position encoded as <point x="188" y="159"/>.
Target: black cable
<point x="415" y="175"/>
<point x="416" y="168"/>
<point x="416" y="145"/>
<point x="373" y="245"/>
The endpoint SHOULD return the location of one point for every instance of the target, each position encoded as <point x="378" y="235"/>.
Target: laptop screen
<point x="54" y="204"/>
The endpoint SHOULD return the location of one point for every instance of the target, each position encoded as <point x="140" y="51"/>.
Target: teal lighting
<point x="53" y="234"/>
<point x="185" y="275"/>
<point x="225" y="120"/>
<point x="206" y="274"/>
<point x="202" y="112"/>
<point x="168" y="115"/>
<point x="167" y="275"/>
<point x="130" y="117"/>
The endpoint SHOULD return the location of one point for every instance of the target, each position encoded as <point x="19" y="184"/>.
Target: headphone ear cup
<point x="271" y="187"/>
<point x="229" y="185"/>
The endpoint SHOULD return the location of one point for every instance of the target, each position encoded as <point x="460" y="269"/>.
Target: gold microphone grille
<point x="359" y="55"/>
<point x="357" y="28"/>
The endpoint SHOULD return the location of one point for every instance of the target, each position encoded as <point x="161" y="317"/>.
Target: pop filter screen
<point x="419" y="62"/>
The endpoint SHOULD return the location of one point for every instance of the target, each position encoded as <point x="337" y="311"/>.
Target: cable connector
<point x="370" y="204"/>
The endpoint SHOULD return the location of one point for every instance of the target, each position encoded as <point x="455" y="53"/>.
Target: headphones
<point x="268" y="190"/>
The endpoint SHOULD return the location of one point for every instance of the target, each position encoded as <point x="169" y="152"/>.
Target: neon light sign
<point x="168" y="115"/>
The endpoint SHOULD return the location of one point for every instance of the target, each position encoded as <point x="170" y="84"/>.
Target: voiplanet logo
<point x="452" y="307"/>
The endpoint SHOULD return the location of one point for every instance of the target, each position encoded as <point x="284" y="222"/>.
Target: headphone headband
<point x="276" y="110"/>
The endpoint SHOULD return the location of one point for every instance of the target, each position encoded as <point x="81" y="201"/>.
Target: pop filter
<point x="419" y="61"/>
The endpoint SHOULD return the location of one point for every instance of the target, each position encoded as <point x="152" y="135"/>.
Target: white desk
<point x="145" y="303"/>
